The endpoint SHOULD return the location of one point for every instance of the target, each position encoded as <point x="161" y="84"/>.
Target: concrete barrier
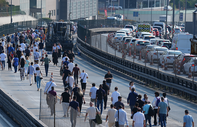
<point x="18" y="112"/>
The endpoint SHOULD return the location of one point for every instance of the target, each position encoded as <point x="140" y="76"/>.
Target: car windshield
<point x="161" y="25"/>
<point x="168" y="45"/>
<point x="129" y="27"/>
<point x="159" y="28"/>
<point x="146" y="43"/>
<point x="120" y="35"/>
<point x="140" y="42"/>
<point x="161" y="49"/>
<point x="174" y="53"/>
<point x="148" y="38"/>
<point x="128" y="40"/>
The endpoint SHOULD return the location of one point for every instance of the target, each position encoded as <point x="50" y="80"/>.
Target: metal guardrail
<point x="180" y="86"/>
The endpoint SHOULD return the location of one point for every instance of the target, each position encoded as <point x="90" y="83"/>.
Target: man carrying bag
<point x="120" y="121"/>
<point x="48" y="86"/>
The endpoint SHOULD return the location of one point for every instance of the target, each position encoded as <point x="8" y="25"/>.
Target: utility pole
<point x="166" y="19"/>
<point x="41" y="13"/>
<point x="11" y="11"/>
<point x="185" y="10"/>
<point x="151" y="13"/>
<point x="111" y="7"/>
<point x="173" y="19"/>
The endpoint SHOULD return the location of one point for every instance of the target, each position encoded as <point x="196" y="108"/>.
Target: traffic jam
<point x="146" y="42"/>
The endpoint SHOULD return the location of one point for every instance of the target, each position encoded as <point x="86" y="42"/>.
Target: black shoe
<point x="30" y="84"/>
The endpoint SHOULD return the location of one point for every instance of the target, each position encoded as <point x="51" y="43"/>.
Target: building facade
<point x="76" y="9"/>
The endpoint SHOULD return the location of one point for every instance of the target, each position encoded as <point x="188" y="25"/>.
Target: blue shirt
<point x="132" y="98"/>
<point x="15" y="61"/>
<point x="122" y="119"/>
<point x="74" y="104"/>
<point x="163" y="108"/>
<point x="188" y="120"/>
<point x="31" y="70"/>
<point x="146" y="108"/>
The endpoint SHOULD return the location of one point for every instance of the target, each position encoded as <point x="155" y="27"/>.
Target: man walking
<point x="65" y="98"/>
<point x="92" y="111"/>
<point x="70" y="81"/>
<point x="139" y="119"/>
<point x="76" y="72"/>
<point x="83" y="77"/>
<point x="155" y="104"/>
<point x="115" y="95"/>
<point x="110" y="115"/>
<point x="65" y="74"/>
<point x="121" y="117"/>
<point x="71" y="65"/>
<point x="74" y="105"/>
<point x="100" y="93"/>
<point x="132" y="98"/>
<point x="118" y="103"/>
<point x="106" y="88"/>
<point x="145" y="111"/>
<point x="93" y="93"/>
<point x="46" y="64"/>
<point x="3" y="56"/>
<point x="108" y="78"/>
<point x="162" y="112"/>
<point x="30" y="72"/>
<point x="188" y="120"/>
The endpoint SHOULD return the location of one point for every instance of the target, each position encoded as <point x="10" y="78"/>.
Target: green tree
<point x="3" y="3"/>
<point x="190" y="3"/>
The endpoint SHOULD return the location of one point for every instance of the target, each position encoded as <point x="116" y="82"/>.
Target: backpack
<point x="151" y="111"/>
<point x="158" y="101"/>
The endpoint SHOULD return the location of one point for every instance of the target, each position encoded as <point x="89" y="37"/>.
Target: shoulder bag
<point x="98" y="118"/>
<point x="83" y="78"/>
<point x="117" y="122"/>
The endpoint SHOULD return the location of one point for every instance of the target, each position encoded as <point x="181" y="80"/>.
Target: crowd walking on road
<point x="24" y="51"/>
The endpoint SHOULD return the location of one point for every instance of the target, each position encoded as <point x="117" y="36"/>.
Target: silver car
<point x="190" y="63"/>
<point x="156" y="52"/>
<point x="169" y="56"/>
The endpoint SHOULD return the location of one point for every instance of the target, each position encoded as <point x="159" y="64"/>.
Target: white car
<point x="191" y="63"/>
<point x="146" y="49"/>
<point x="160" y="41"/>
<point x="125" y="38"/>
<point x="145" y="33"/>
<point x="118" y="36"/>
<point x="127" y="31"/>
<point x="147" y="37"/>
<point x="169" y="56"/>
<point x="177" y="30"/>
<point x="154" y="52"/>
<point x="153" y="41"/>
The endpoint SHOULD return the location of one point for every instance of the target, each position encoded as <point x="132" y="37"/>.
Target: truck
<point x="182" y="42"/>
<point x="59" y="32"/>
<point x="143" y="27"/>
<point x="162" y="18"/>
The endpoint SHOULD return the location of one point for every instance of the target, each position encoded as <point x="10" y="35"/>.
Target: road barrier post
<point x="151" y="62"/>
<point x="165" y="65"/>
<point x="162" y="64"/>
<point x="190" y="73"/>
<point x="178" y="69"/>
<point x="129" y="51"/>
<point x="134" y="56"/>
<point x="140" y="57"/>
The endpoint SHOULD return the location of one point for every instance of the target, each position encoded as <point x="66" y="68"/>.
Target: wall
<point x="53" y="7"/>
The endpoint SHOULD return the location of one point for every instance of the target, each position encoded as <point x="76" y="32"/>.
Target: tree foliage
<point x="3" y="3"/>
<point x="190" y="3"/>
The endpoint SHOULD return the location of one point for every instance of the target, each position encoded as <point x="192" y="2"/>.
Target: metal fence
<point x="18" y="26"/>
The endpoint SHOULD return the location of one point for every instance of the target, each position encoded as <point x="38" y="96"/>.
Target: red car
<point x="156" y="31"/>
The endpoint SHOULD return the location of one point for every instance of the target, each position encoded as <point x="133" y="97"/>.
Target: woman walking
<point x="22" y="69"/>
<point x="15" y="63"/>
<point x="38" y="80"/>
<point x="10" y="61"/>
<point x="55" y="54"/>
<point x="80" y="98"/>
<point x="26" y="65"/>
<point x="59" y="47"/>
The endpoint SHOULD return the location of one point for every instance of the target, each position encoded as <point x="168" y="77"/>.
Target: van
<point x="143" y="27"/>
<point x="182" y="42"/>
<point x="162" y="25"/>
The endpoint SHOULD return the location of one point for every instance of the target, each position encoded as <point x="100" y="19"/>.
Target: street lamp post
<point x="166" y="19"/>
<point x="11" y="11"/>
<point x="173" y="19"/>
<point x="185" y="10"/>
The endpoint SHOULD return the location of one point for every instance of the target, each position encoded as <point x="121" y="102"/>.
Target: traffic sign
<point x="135" y="14"/>
<point x="181" y="16"/>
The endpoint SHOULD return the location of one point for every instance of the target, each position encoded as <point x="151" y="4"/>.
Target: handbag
<point x="117" y="122"/>
<point x="98" y="119"/>
<point x="82" y="78"/>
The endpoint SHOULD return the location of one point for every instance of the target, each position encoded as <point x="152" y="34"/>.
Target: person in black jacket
<point x="106" y="88"/>
<point x="100" y="93"/>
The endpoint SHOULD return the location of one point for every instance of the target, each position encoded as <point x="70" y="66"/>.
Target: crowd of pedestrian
<point x="19" y="47"/>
